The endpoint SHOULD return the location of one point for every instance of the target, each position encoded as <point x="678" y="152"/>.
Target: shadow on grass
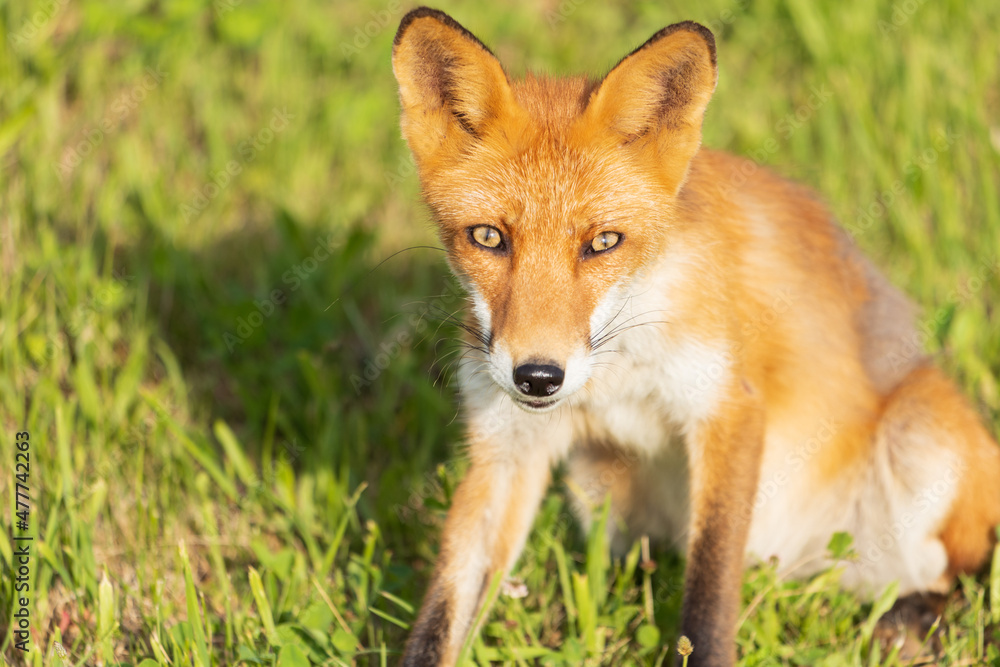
<point x="297" y="328"/>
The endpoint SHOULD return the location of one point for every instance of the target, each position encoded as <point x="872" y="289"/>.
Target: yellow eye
<point x="605" y="241"/>
<point x="488" y="237"/>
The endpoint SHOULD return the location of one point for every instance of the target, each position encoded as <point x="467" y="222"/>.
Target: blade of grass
<point x="491" y="595"/>
<point x="388" y="617"/>
<point x="234" y="452"/>
<point x="195" y="621"/>
<point x="263" y="607"/>
<point x="995" y="584"/>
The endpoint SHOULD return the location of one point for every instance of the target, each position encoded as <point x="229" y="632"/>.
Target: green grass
<point x="243" y="438"/>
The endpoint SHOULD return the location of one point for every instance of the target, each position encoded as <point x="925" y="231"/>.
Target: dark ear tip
<point x="689" y="26"/>
<point x="419" y="13"/>
<point x="427" y="12"/>
<point x="705" y="33"/>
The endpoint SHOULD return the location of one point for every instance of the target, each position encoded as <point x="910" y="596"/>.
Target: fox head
<point x="551" y="196"/>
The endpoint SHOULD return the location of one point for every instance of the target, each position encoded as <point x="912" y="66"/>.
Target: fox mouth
<point x="538" y="405"/>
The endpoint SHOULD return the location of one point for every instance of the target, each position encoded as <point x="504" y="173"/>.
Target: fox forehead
<point x="542" y="178"/>
<point x="553" y="102"/>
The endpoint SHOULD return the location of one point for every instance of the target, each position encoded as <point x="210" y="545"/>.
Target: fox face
<point x="551" y="197"/>
<point x="546" y="266"/>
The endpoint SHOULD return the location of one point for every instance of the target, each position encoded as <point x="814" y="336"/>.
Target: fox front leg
<point x="725" y="459"/>
<point x="491" y="514"/>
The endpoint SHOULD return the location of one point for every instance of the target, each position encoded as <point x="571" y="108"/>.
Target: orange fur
<point x="745" y="334"/>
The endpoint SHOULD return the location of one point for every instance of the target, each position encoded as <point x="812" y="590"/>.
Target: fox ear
<point x="451" y="86"/>
<point x="660" y="90"/>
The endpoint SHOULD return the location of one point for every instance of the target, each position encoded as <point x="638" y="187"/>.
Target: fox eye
<point x="605" y="241"/>
<point x="486" y="236"/>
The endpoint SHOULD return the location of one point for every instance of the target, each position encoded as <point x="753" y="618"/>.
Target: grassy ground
<point x="225" y="467"/>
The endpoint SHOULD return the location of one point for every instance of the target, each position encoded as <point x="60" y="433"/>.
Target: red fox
<point x="721" y="360"/>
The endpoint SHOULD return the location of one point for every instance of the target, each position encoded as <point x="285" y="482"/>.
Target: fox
<point x="691" y="336"/>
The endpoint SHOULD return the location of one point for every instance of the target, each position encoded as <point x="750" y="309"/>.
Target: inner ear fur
<point x="451" y="86"/>
<point x="660" y="90"/>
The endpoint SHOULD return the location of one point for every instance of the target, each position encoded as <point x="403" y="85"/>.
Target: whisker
<point x="597" y="334"/>
<point x="603" y="334"/>
<point x="376" y="267"/>
<point x="474" y="331"/>
<point x="617" y="331"/>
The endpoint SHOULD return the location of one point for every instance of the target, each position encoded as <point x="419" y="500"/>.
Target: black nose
<point x="538" y="379"/>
